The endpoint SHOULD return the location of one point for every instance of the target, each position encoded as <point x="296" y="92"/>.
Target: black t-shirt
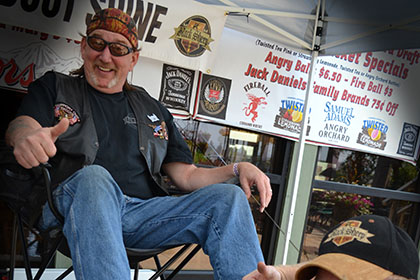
<point x="117" y="134"/>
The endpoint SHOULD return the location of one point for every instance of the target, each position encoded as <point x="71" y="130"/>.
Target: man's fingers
<point x="262" y="268"/>
<point x="246" y="188"/>
<point x="41" y="154"/>
<point x="27" y="160"/>
<point x="264" y="189"/>
<point x="59" y="128"/>
<point x="268" y="272"/>
<point x="22" y="161"/>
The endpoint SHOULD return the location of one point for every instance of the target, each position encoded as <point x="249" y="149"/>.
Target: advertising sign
<point x="364" y="101"/>
<point x="368" y="102"/>
<point x="168" y="31"/>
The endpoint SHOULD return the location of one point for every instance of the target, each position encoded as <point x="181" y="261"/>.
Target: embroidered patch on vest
<point x="160" y="130"/>
<point x="153" y="118"/>
<point x="62" y="110"/>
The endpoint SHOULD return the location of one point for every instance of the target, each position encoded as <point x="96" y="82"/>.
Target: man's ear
<point x="83" y="46"/>
<point x="134" y="59"/>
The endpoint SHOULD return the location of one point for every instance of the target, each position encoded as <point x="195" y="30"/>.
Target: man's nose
<point x="106" y="55"/>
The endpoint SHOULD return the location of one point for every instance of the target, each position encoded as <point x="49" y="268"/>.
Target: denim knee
<point x="92" y="180"/>
<point x="94" y="170"/>
<point x="228" y="194"/>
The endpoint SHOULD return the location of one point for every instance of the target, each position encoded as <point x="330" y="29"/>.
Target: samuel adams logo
<point x="193" y="36"/>
<point x="349" y="231"/>
<point x="214" y="96"/>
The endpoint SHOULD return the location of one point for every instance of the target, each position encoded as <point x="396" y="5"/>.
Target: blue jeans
<point x="100" y="221"/>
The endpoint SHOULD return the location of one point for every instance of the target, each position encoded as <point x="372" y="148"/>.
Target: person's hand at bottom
<point x="264" y="272"/>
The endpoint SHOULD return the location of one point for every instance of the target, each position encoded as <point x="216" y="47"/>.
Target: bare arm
<point x="32" y="143"/>
<point x="188" y="177"/>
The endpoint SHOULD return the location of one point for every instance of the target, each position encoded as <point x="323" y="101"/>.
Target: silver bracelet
<point x="235" y="169"/>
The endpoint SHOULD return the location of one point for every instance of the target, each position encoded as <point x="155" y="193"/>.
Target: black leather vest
<point x="79" y="144"/>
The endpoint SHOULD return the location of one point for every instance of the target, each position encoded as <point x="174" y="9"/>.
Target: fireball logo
<point x="193" y="36"/>
<point x="253" y="105"/>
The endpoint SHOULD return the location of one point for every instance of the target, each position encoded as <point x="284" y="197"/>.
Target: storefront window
<point x="215" y="145"/>
<point x="350" y="183"/>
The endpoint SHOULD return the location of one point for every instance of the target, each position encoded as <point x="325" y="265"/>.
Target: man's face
<point x="103" y="71"/>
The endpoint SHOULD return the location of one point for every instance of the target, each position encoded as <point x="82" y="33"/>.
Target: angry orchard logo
<point x="193" y="36"/>
<point x="373" y="133"/>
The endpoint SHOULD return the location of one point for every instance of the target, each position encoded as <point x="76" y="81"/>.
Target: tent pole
<point x="316" y="42"/>
<point x="302" y="139"/>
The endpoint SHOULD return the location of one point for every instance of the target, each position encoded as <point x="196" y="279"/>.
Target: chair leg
<point x="24" y="249"/>
<point x="48" y="257"/>
<point x="136" y="272"/>
<point x="169" y="262"/>
<point x="184" y="262"/>
<point x="65" y="273"/>
<point x="158" y="266"/>
<point x="13" y="251"/>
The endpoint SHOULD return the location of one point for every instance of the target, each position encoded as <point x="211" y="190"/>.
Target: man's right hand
<point x="32" y="143"/>
<point x="264" y="272"/>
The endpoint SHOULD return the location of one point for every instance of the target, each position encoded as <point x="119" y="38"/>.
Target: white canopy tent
<point x="324" y="27"/>
<point x="347" y="26"/>
<point x="315" y="27"/>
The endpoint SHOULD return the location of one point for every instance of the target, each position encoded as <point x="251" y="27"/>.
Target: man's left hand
<point x="250" y="175"/>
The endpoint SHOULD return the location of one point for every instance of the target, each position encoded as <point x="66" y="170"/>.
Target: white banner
<point x="267" y="86"/>
<point x="183" y="32"/>
<point x="366" y="102"/>
<point x="27" y="54"/>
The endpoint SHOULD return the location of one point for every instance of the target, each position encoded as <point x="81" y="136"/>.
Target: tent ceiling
<point x="349" y="26"/>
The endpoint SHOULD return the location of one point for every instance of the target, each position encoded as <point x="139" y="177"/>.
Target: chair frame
<point x="134" y="255"/>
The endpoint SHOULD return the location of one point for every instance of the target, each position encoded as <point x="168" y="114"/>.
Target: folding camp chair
<point x="12" y="177"/>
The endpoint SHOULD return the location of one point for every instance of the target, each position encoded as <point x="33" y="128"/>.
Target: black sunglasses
<point x="116" y="49"/>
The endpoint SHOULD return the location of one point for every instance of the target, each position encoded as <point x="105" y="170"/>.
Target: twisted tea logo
<point x="193" y="36"/>
<point x="213" y="99"/>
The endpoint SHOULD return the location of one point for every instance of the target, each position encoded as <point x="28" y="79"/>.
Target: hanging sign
<point x="267" y="88"/>
<point x="368" y="102"/>
<point x="168" y="31"/>
<point x="365" y="101"/>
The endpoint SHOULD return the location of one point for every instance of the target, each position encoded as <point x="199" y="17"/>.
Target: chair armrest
<point x="43" y="168"/>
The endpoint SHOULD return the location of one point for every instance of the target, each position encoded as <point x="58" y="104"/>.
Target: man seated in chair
<point x="107" y="142"/>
